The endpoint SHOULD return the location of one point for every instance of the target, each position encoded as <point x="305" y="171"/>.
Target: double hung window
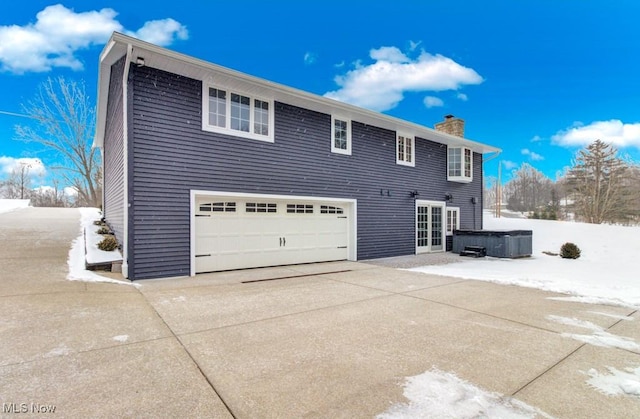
<point x="405" y="150"/>
<point x="340" y="136"/>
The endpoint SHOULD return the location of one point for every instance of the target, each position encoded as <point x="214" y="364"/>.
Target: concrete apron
<point x="325" y="340"/>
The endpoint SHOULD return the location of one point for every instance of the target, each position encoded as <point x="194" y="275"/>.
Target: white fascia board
<point x="165" y="59"/>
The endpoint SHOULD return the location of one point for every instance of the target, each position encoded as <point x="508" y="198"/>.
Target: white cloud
<point x="531" y="154"/>
<point x="536" y="138"/>
<point x="70" y="191"/>
<point x="414" y="45"/>
<point x="462" y="97"/>
<point x="310" y="58"/>
<point x="613" y="131"/>
<point x="161" y="32"/>
<point x="59" y="33"/>
<point x="508" y="164"/>
<point x="44" y="189"/>
<point x="432" y="102"/>
<point x="390" y="54"/>
<point x="339" y="65"/>
<point x="34" y="165"/>
<point x="381" y="86"/>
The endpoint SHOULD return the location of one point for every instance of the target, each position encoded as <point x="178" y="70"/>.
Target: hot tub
<point x="498" y="243"/>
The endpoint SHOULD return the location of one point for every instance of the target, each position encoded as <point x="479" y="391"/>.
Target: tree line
<point x="599" y="187"/>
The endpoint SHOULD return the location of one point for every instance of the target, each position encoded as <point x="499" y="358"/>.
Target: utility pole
<point x="499" y="191"/>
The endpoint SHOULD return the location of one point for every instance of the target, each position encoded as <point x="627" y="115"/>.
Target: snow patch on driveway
<point x="439" y="394"/>
<point x="616" y="383"/>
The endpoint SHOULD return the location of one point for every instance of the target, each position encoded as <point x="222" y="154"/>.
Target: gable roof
<point x="165" y="59"/>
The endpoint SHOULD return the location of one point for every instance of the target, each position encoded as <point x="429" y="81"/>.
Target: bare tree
<point x="65" y="125"/>
<point x="528" y="190"/>
<point x="630" y="198"/>
<point x="17" y="184"/>
<point x="49" y="196"/>
<point x="597" y="180"/>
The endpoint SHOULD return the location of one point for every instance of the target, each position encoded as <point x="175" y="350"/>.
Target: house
<point x="209" y="169"/>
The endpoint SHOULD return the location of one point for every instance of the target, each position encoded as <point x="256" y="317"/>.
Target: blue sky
<point x="539" y="79"/>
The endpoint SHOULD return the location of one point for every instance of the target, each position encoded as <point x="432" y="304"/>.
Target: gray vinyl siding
<point x="113" y="206"/>
<point x="171" y="155"/>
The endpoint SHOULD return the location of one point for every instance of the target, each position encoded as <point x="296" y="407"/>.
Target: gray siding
<point x="171" y="155"/>
<point x="113" y="206"/>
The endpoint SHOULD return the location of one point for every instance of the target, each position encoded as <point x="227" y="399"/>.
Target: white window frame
<point x="462" y="178"/>
<point x="457" y="220"/>
<point x="335" y="149"/>
<point x="404" y="161"/>
<point x="227" y="129"/>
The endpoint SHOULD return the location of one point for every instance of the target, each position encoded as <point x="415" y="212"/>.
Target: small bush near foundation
<point x="569" y="251"/>
<point x="98" y="223"/>
<point x="108" y="244"/>
<point x="104" y="230"/>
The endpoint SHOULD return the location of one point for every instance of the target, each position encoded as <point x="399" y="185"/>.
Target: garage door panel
<point x="238" y="235"/>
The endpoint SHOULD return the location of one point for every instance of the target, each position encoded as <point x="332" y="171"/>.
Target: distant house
<point x="209" y="169"/>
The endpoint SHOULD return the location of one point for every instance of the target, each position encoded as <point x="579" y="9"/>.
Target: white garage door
<point x="232" y="233"/>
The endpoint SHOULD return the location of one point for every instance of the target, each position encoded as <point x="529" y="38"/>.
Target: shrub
<point x="98" y="223"/>
<point x="569" y="251"/>
<point x="108" y="244"/>
<point x="104" y="230"/>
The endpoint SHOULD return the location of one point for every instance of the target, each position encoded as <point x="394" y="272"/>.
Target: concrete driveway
<point x="318" y="340"/>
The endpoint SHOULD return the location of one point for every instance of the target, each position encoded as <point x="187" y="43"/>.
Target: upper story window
<point x="459" y="164"/>
<point x="234" y="113"/>
<point x="340" y="135"/>
<point x="405" y="150"/>
<point x="217" y="107"/>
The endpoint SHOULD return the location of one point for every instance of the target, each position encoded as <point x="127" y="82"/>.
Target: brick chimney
<point x="451" y="125"/>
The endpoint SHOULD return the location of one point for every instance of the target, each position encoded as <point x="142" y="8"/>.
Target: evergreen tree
<point x="597" y="182"/>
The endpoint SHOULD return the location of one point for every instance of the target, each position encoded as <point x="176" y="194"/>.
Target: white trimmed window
<point x="340" y="135"/>
<point x="229" y="112"/>
<point x="459" y="164"/>
<point x="453" y="219"/>
<point x="405" y="150"/>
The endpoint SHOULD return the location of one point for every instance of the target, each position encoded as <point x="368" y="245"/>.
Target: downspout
<point x="125" y="163"/>
<point x="495" y="154"/>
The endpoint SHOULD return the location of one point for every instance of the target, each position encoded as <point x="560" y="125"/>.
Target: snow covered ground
<point x="76" y="261"/>
<point x="7" y="205"/>
<point x="606" y="273"/>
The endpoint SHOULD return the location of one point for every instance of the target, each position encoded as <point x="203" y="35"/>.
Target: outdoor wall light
<point x="140" y="61"/>
<point x="414" y="193"/>
<point x="448" y="197"/>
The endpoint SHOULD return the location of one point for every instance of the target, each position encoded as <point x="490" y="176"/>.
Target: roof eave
<point x="192" y="65"/>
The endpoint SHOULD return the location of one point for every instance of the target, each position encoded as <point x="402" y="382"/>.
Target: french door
<point x="430" y="226"/>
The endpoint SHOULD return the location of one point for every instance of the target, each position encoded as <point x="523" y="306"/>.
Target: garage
<point x="240" y="231"/>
